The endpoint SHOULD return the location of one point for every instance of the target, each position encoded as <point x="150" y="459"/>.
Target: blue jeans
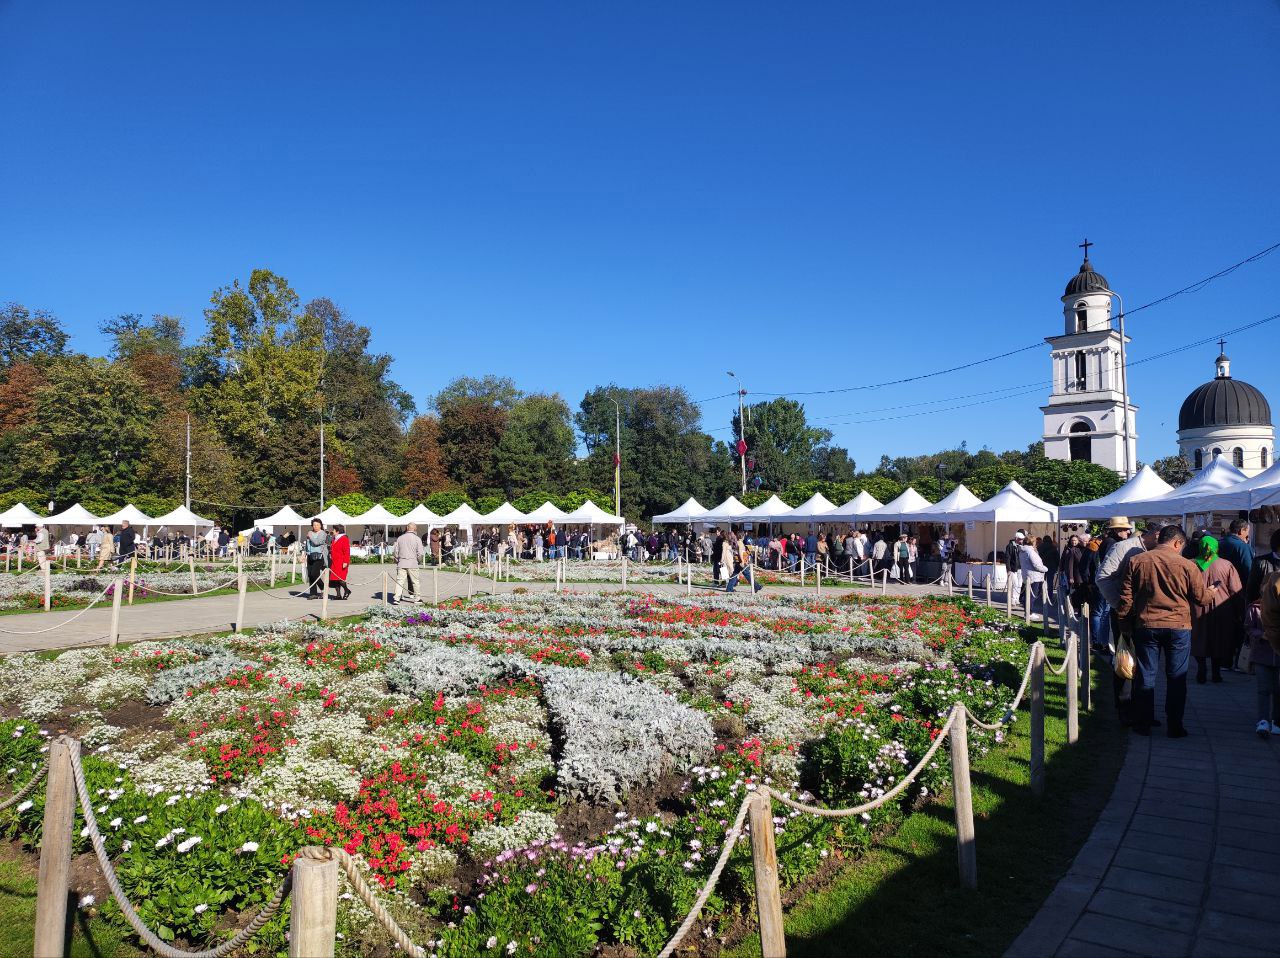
<point x="1176" y="645"/>
<point x="1100" y="622"/>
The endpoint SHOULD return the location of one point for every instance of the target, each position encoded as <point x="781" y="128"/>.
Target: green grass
<point x="89" y="939"/>
<point x="904" y="897"/>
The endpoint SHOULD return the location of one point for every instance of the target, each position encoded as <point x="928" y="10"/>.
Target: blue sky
<point x="815" y="195"/>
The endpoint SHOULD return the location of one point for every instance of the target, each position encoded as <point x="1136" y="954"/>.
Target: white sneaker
<point x="1265" y="728"/>
<point x="1275" y="729"/>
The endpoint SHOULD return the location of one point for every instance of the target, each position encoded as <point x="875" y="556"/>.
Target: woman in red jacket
<point x="340" y="562"/>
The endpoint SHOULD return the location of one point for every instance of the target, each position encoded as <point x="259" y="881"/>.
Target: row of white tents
<point x="1218" y="487"/>
<point x="464" y="517"/>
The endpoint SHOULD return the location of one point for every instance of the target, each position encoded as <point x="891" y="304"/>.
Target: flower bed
<point x="525" y="774"/>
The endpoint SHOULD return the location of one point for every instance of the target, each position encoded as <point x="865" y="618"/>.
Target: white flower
<point x="164" y="841"/>
<point x="220" y="809"/>
<point x="140" y="819"/>
<point x="201" y="909"/>
<point x="249" y="847"/>
<point x="115" y="822"/>
<point x="492" y="942"/>
<point x="511" y="948"/>
<point x="86" y="901"/>
<point x="25" y="805"/>
<point x="190" y="843"/>
<point x="172" y="800"/>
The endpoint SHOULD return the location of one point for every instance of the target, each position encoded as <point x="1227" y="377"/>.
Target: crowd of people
<point x="1170" y="598"/>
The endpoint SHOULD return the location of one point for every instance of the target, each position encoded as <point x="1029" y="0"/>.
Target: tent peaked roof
<point x="589" y="512"/>
<point x="905" y="505"/>
<point x="1248" y="494"/>
<point x="19" y="515"/>
<point x="688" y="511"/>
<point x="77" y="515"/>
<point x="957" y="500"/>
<point x="770" y="509"/>
<point x="1011" y="504"/>
<point x="1145" y="485"/>
<point x="1217" y="476"/>
<point x="731" y="508"/>
<point x="464" y="515"/>
<point x="855" y="508"/>
<point x="504" y="515"/>
<point x="547" y="512"/>
<point x="334" y="514"/>
<point x="285" y="516"/>
<point x="130" y="512"/>
<point x="379" y="515"/>
<point x="181" y="516"/>
<point x="421" y="515"/>
<point x="817" y="506"/>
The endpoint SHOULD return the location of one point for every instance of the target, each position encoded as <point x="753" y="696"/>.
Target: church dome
<point x="1224" y="402"/>
<point x="1086" y="281"/>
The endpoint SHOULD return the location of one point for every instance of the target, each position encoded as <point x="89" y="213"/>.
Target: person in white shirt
<point x="1032" y="568"/>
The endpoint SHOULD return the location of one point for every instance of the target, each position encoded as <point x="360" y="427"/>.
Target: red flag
<point x="617" y="460"/>
<point x="742" y="447"/>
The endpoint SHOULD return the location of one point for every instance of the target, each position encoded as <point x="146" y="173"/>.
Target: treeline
<point x="267" y="371"/>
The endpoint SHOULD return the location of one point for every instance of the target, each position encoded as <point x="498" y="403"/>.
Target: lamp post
<point x="742" y="432"/>
<point x="617" y="457"/>
<point x="1124" y="391"/>
<point x="939" y="482"/>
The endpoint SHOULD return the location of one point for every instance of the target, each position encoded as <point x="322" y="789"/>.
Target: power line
<point x="1194" y="287"/>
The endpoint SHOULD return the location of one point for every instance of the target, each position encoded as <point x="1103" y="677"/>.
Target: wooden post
<point x="293" y="569"/>
<point x="19" y="559"/>
<point x="1037" y="719"/>
<point x="242" y="584"/>
<point x="962" y="791"/>
<point x="435" y="584"/>
<point x="1086" y="658"/>
<point x="886" y="581"/>
<point x="239" y="560"/>
<point x="79" y="553"/>
<point x="133" y="574"/>
<point x="273" y="569"/>
<point x="946" y="574"/>
<point x="1026" y="602"/>
<point x="8" y="556"/>
<point x="990" y="576"/>
<point x="386" y="585"/>
<point x="47" y="592"/>
<point x="688" y="588"/>
<point x="469" y="585"/>
<point x="313" y="918"/>
<point x="624" y="573"/>
<point x="817" y="580"/>
<point x="191" y="563"/>
<point x="324" y="596"/>
<point x="55" y="849"/>
<point x="764" y="861"/>
<point x="969" y="577"/>
<point x="1073" y="692"/>
<point x="117" y="593"/>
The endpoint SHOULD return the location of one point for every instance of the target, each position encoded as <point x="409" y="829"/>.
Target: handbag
<point x="1125" y="661"/>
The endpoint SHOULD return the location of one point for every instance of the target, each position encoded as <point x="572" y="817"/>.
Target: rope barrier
<point x="152" y="941"/>
<point x="54" y="628"/>
<point x="190" y="595"/>
<point x="27" y="789"/>
<point x="730" y="841"/>
<point x="1071" y="650"/>
<point x="368" y="896"/>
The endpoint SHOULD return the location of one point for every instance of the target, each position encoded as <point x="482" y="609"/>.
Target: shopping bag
<point x="1126" y="660"/>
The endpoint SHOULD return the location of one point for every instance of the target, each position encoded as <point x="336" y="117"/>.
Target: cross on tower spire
<point x="1222" y="346"/>
<point x="1085" y="246"/>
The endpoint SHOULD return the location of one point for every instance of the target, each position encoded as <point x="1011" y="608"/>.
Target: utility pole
<point x="742" y="433"/>
<point x="322" y="455"/>
<point x="617" y="457"/>
<point x="188" y="497"/>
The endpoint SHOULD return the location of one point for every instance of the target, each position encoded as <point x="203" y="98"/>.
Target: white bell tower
<point x="1085" y="418"/>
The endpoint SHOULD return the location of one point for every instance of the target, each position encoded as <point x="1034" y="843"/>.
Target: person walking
<point x="1048" y="549"/>
<point x="340" y="562"/>
<point x="1160" y="590"/>
<point x="1235" y="548"/>
<point x="316" y="549"/>
<point x="1013" y="566"/>
<point x="408" y="554"/>
<point x="1033" y="571"/>
<point x="727" y="550"/>
<point x="435" y="546"/>
<point x="40" y="545"/>
<point x="127" y="547"/>
<point x="1215" y="625"/>
<point x="1262" y="625"/>
<point x="1108" y="583"/>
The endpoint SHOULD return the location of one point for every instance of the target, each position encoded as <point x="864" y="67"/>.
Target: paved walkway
<point x="153" y="620"/>
<point x="1185" y="858"/>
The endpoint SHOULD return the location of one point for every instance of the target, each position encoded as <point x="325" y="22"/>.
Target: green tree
<point x="780" y="440"/>
<point x="473" y="417"/>
<point x="537" y="446"/>
<point x="1175" y="470"/>
<point x="443" y="503"/>
<point x="26" y="335"/>
<point x="1063" y="483"/>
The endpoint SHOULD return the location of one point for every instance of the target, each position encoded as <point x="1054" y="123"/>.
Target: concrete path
<point x="1185" y="858"/>
<point x="153" y="620"/>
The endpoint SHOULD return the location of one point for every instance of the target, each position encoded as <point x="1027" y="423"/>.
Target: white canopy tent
<point x="814" y="509"/>
<point x="1218" y="476"/>
<point x="379" y="515"/>
<point x="19" y="515"/>
<point x="691" y="510"/>
<point x="464" y="517"/>
<point x="590" y="514"/>
<point x="77" y="515"/>
<point x="132" y="513"/>
<point x="421" y="515"/>
<point x="1245" y="495"/>
<point x="728" y="511"/>
<point x="853" y="510"/>
<point x="1011" y="504"/>
<point x="768" y="511"/>
<point x="958" y="499"/>
<point x="1143" y="486"/>
<point x="182" y="518"/>
<point x="333" y="515"/>
<point x="282" y="518"/>
<point x="900" y="509"/>
<point x="547" y="512"/>
<point x="505" y="515"/>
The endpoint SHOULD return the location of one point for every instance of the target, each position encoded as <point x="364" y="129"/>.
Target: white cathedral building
<point x="1088" y="419"/>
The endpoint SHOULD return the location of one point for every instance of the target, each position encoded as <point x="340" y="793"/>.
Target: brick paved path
<point x="1185" y="858"/>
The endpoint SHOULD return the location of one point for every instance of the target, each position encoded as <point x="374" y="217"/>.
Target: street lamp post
<point x="617" y="457"/>
<point x="939" y="482"/>
<point x="1124" y="391"/>
<point x="742" y="432"/>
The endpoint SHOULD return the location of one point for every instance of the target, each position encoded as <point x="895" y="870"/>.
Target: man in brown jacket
<point x="1159" y="590"/>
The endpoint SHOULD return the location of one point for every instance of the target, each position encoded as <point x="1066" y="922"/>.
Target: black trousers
<point x="315" y="575"/>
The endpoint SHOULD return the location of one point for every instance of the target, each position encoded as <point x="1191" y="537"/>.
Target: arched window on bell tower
<point x="1081" y="444"/>
<point x="1082" y="317"/>
<point x="1081" y="370"/>
<point x="1237" y="457"/>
